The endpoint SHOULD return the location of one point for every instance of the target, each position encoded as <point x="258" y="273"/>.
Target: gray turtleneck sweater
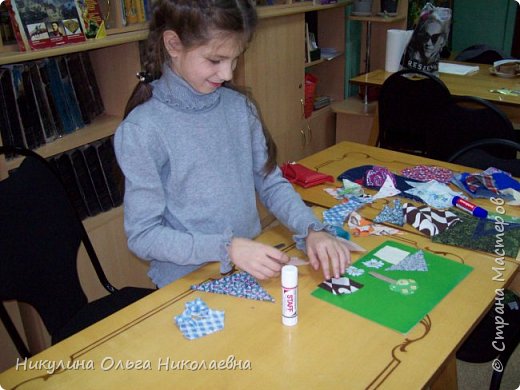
<point x="192" y="163"/>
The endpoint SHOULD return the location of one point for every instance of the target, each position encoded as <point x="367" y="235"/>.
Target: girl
<point x="193" y="152"/>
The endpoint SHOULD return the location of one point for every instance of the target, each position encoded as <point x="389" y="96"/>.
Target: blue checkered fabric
<point x="336" y="215"/>
<point x="199" y="320"/>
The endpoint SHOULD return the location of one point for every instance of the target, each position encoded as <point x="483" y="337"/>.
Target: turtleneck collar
<point x="176" y="92"/>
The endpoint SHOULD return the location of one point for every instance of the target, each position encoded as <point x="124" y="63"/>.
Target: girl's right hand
<point x="260" y="260"/>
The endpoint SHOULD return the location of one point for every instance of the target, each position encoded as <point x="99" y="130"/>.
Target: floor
<point x="471" y="376"/>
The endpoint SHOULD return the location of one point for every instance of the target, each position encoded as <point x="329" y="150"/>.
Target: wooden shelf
<point x="322" y="59"/>
<point x="9" y="56"/>
<point x="269" y="11"/>
<point x="103" y="126"/>
<point x="354" y="106"/>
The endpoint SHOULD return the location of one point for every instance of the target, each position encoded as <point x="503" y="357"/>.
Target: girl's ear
<point x="172" y="43"/>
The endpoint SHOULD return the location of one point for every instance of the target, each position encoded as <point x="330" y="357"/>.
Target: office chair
<point x="410" y="104"/>
<point x="470" y="119"/>
<point x="40" y="234"/>
<point x="477" y="155"/>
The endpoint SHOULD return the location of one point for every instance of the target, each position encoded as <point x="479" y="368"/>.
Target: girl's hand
<point x="326" y="250"/>
<point x="260" y="260"/>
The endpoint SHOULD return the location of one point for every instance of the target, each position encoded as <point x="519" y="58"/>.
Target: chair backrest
<point x="476" y="155"/>
<point x="410" y="103"/>
<point x="467" y="120"/>
<point x="40" y="234"/>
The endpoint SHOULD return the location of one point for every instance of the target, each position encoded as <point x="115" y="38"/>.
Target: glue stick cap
<point x="289" y="276"/>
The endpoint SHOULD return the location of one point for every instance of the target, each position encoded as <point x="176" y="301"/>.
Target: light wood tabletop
<point x="141" y="347"/>
<point x="475" y="84"/>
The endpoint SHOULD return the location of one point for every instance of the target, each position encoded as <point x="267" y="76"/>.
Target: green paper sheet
<point x="377" y="303"/>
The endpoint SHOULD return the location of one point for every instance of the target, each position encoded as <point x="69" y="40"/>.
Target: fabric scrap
<point x="199" y="320"/>
<point x="475" y="233"/>
<point x="427" y="173"/>
<point x="413" y="262"/>
<point x="336" y="215"/>
<point x="428" y="220"/>
<point x="376" y="176"/>
<point x="341" y="286"/>
<point x="240" y="284"/>
<point x="391" y="214"/>
<point x="362" y="227"/>
<point x="433" y="193"/>
<point x="387" y="189"/>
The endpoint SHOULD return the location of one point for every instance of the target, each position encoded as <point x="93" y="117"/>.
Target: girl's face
<point x="204" y="67"/>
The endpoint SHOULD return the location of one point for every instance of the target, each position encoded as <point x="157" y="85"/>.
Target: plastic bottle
<point x="289" y="295"/>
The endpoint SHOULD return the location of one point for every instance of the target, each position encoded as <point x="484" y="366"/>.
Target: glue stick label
<point x="290" y="303"/>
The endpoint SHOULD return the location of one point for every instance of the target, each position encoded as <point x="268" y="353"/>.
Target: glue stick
<point x="469" y="207"/>
<point x="289" y="295"/>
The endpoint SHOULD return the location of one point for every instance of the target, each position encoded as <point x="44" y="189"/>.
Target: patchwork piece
<point x="376" y="176"/>
<point x="492" y="179"/>
<point x="413" y="262"/>
<point x="336" y="215"/>
<point x="391" y="214"/>
<point x="199" y="320"/>
<point x="355" y="271"/>
<point x="357" y="175"/>
<point x="387" y="189"/>
<point x="433" y="193"/>
<point x="404" y="286"/>
<point x="363" y="227"/>
<point x="340" y="286"/>
<point x="427" y="173"/>
<point x="240" y="284"/>
<point x="427" y="220"/>
<point x="491" y="182"/>
<point x="374" y="263"/>
<point x="481" y="234"/>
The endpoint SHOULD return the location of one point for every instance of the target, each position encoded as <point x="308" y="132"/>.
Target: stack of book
<point x="45" y="99"/>
<point x="92" y="177"/>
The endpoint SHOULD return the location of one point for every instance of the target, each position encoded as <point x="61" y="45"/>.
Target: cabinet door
<point x="273" y="69"/>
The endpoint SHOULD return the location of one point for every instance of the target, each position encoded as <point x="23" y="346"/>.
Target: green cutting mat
<point x="377" y="303"/>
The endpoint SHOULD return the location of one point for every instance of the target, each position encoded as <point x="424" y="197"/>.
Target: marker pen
<point x="289" y="295"/>
<point x="469" y="207"/>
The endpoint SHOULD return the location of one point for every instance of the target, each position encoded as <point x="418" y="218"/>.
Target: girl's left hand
<point x="326" y="250"/>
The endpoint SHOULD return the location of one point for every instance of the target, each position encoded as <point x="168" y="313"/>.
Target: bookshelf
<point x="273" y="69"/>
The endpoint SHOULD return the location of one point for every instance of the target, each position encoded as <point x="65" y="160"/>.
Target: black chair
<point x="40" y="234"/>
<point x="477" y="155"/>
<point x="484" y="344"/>
<point x="469" y="119"/>
<point x="410" y="105"/>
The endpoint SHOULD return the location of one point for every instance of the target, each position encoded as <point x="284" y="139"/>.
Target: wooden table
<point x="476" y="84"/>
<point x="140" y="347"/>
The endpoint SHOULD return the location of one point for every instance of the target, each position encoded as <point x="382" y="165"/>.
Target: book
<point x="5" y="126"/>
<point x="63" y="165"/>
<point x="21" y="40"/>
<point x="130" y="7"/>
<point x="48" y="23"/>
<point x="85" y="182"/>
<point x="29" y="111"/>
<point x="13" y="117"/>
<point x="52" y="74"/>
<point x="46" y="85"/>
<point x="45" y="114"/>
<point x="92" y="82"/>
<point x="112" y="173"/>
<point x="98" y="178"/>
<point x="6" y="28"/>
<point x="93" y="21"/>
<point x="80" y="82"/>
